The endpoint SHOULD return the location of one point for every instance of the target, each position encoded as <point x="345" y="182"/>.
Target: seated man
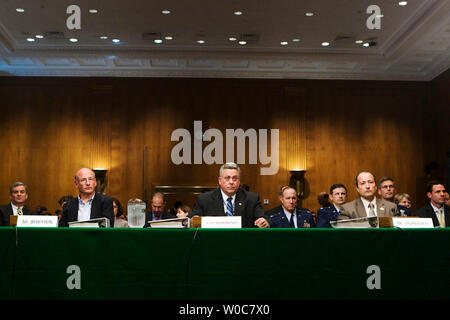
<point x="290" y="216"/>
<point x="18" y="195"/>
<point x="367" y="205"/>
<point x="89" y="204"/>
<point x="338" y="196"/>
<point x="157" y="212"/>
<point x="436" y="209"/>
<point x="230" y="200"/>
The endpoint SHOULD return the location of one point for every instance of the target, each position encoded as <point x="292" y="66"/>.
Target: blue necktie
<point x="229" y="206"/>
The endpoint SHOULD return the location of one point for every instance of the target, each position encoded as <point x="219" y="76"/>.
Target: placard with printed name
<point x="37" y="221"/>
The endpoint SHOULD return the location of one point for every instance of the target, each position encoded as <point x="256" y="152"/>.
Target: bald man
<point x="88" y="205"/>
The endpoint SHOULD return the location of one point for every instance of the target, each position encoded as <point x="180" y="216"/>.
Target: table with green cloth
<point x="220" y="264"/>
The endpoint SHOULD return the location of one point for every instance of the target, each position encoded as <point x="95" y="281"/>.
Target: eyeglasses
<point x="233" y="178"/>
<point x="85" y="180"/>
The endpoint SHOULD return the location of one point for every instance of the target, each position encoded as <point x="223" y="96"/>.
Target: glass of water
<point x="136" y="213"/>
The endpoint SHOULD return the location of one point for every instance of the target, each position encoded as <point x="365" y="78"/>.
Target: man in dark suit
<point x="18" y="195"/>
<point x="436" y="209"/>
<point x="290" y="216"/>
<point x="230" y="200"/>
<point x="338" y="196"/>
<point x="88" y="205"/>
<point x="157" y="212"/>
<point x="367" y="205"/>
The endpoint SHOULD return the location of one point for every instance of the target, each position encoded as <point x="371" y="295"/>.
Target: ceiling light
<point x="403" y="3"/>
<point x="284" y="43"/>
<point x="73" y="40"/>
<point x="93" y="10"/>
<point x="39" y="36"/>
<point x="359" y="41"/>
<point x="30" y="39"/>
<point x="165" y="12"/>
<point x="201" y="41"/>
<point x="103" y="37"/>
<point x="168" y="37"/>
<point x="232" y="39"/>
<point x="242" y="42"/>
<point x="20" y="10"/>
<point x="309" y="14"/>
<point x="158" y="41"/>
<point x="238" y="13"/>
<point x="325" y="44"/>
<point x="115" y="40"/>
<point x="296" y="40"/>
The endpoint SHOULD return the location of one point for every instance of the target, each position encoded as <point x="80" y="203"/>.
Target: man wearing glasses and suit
<point x="230" y="200"/>
<point x="89" y="204"/>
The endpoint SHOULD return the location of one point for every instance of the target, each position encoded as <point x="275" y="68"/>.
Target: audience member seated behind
<point x="183" y="211"/>
<point x="120" y="220"/>
<point x="338" y="196"/>
<point x="403" y="202"/>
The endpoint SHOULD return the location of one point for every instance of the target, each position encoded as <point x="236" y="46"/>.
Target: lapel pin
<point x="382" y="209"/>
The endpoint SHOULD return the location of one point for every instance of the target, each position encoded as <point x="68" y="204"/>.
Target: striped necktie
<point x="19" y="211"/>
<point x="230" y="207"/>
<point x="371" y="210"/>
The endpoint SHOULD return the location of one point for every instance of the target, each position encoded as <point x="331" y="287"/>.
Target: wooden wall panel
<point x="332" y="129"/>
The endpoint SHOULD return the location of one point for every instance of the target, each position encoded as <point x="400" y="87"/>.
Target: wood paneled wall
<point x="51" y="127"/>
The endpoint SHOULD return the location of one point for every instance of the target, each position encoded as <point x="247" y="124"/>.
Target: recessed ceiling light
<point x="73" y="40"/>
<point x="296" y="40"/>
<point x="238" y="13"/>
<point x="358" y="41"/>
<point x="116" y="40"/>
<point x="165" y="12"/>
<point x="309" y="14"/>
<point x="201" y="41"/>
<point x="242" y="42"/>
<point x="325" y="44"/>
<point x="284" y="43"/>
<point x="103" y="37"/>
<point x="30" y="39"/>
<point x="93" y="10"/>
<point x="366" y="45"/>
<point x="403" y="3"/>
<point x="168" y="37"/>
<point x="20" y="10"/>
<point x="158" y="41"/>
<point x="232" y="39"/>
<point x="39" y="36"/>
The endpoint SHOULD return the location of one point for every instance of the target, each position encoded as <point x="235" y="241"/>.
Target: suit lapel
<point x="360" y="208"/>
<point x="10" y="209"/>
<point x="218" y="202"/>
<point x="381" y="210"/>
<point x="240" y="203"/>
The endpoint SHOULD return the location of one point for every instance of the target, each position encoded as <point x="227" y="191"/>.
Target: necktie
<point x="371" y="210"/>
<point x="291" y="222"/>
<point x="19" y="211"/>
<point x="441" y="218"/>
<point x="230" y="206"/>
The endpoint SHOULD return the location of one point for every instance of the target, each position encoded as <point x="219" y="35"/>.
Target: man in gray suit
<point x="367" y="204"/>
<point x="231" y="200"/>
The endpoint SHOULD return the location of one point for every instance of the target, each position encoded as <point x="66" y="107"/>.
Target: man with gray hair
<point x="230" y="200"/>
<point x="89" y="204"/>
<point x="18" y="195"/>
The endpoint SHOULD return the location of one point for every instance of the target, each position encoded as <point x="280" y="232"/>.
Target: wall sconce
<point x="100" y="175"/>
<point x="297" y="182"/>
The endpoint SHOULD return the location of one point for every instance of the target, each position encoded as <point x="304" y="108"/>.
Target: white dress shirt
<point x="84" y="209"/>
<point x="366" y="205"/>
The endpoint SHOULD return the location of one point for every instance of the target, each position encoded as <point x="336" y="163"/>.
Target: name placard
<point x="412" y="222"/>
<point x="221" y="222"/>
<point x="37" y="221"/>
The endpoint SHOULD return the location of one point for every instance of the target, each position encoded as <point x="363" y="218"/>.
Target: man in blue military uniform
<point x="338" y="196"/>
<point x="289" y="216"/>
